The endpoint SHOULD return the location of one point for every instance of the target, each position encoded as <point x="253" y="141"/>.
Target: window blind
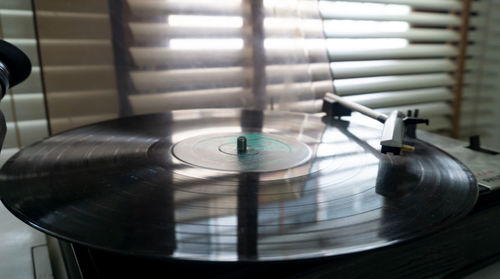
<point x="23" y="105"/>
<point x="78" y="62"/>
<point x="394" y="54"/>
<point x="398" y="54"/>
<point x="197" y="54"/>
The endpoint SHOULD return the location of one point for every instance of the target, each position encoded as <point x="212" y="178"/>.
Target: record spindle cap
<point x="241" y="144"/>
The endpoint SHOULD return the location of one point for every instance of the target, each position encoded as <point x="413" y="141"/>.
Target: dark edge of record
<point x="469" y="173"/>
<point x="419" y="235"/>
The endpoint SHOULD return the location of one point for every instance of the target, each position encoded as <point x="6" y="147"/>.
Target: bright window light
<point x="205" y="21"/>
<point x="351" y="44"/>
<point x="353" y="26"/>
<point x="206" y="44"/>
<point x="340" y="7"/>
<point x="348" y="26"/>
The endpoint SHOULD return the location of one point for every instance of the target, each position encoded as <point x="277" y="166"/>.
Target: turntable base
<point x="171" y="186"/>
<point x="466" y="246"/>
<point x="309" y="196"/>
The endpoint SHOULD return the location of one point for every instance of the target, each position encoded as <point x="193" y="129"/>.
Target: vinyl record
<point x="175" y="185"/>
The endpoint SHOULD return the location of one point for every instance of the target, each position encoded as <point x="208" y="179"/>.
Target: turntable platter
<point x="173" y="185"/>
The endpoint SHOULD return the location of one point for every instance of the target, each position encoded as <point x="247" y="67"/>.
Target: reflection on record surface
<point x="174" y="185"/>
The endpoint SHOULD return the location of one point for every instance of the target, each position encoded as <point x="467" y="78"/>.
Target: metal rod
<point x="357" y="107"/>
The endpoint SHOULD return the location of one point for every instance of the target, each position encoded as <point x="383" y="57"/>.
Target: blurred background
<point x="95" y="60"/>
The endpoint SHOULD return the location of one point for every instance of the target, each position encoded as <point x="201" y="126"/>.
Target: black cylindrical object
<point x="15" y="66"/>
<point x="241" y="145"/>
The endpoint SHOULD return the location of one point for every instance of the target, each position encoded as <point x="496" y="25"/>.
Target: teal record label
<point x="265" y="152"/>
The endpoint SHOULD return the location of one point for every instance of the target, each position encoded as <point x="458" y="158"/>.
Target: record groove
<point x="122" y="186"/>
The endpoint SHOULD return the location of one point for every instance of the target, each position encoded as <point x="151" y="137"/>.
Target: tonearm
<point x="396" y="124"/>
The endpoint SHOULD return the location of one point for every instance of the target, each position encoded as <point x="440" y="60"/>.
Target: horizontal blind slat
<point x="158" y="56"/>
<point x="66" y="52"/>
<point x="375" y="84"/>
<point x="67" y="78"/>
<point x="17" y="24"/>
<point x="155" y="7"/>
<point x="484" y="38"/>
<point x="160" y="32"/>
<point x="32" y="84"/>
<point x="486" y="77"/>
<point x="478" y="64"/>
<point x="10" y="140"/>
<point x="198" y="78"/>
<point x="29" y="131"/>
<point x="481" y="22"/>
<point x="399" y="98"/>
<point x="28" y="106"/>
<point x="469" y="119"/>
<point x="328" y="10"/>
<point x="425" y="109"/>
<point x="223" y="97"/>
<point x="472" y="90"/>
<point x="415" y="34"/>
<point x="68" y="103"/>
<point x="71" y="25"/>
<point x="6" y="107"/>
<point x="178" y="58"/>
<point x="411" y="51"/>
<point x="214" y="98"/>
<point x="82" y="6"/>
<point x="15" y="4"/>
<point x="201" y="78"/>
<point x="306" y="9"/>
<point x="395" y="54"/>
<point x="353" y="69"/>
<point x="438" y="5"/>
<point x="478" y="105"/>
<point x="478" y="51"/>
<point x="485" y="7"/>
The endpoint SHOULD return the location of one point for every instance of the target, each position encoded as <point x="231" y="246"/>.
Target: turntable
<point x="230" y="192"/>
<point x="225" y="193"/>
